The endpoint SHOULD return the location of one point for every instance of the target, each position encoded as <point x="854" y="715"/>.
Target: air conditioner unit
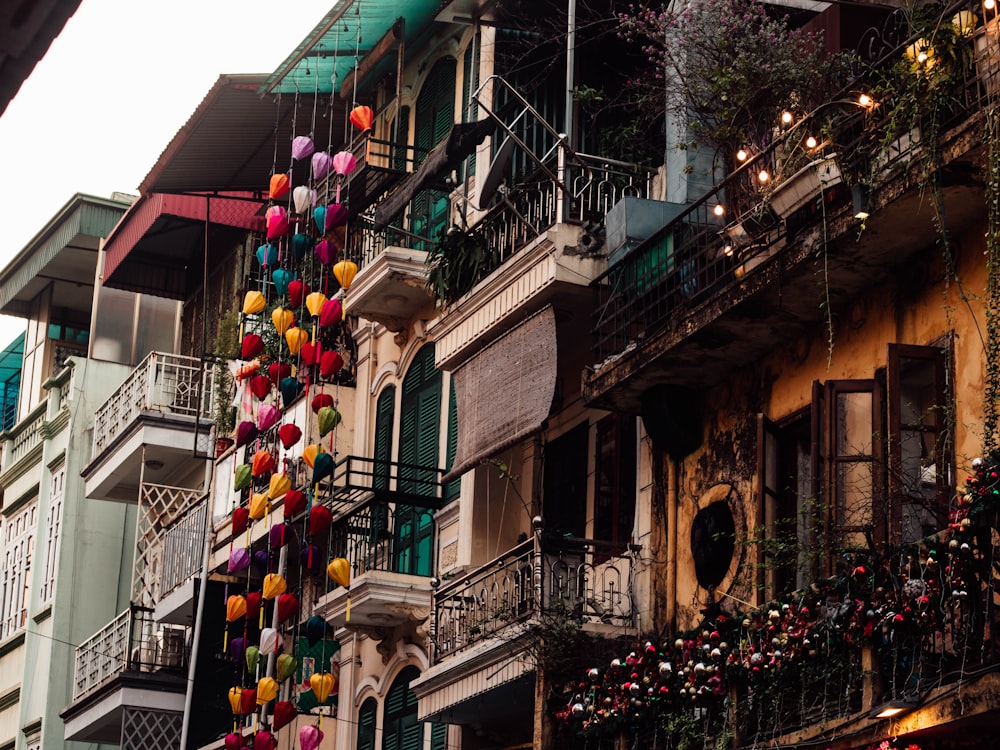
<point x="170" y="647"/>
<point x="632" y="220"/>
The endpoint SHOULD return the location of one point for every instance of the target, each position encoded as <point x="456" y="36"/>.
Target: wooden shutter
<point x="382" y="453"/>
<point x="366" y="725"/>
<point x="434" y="117"/>
<point x="439" y="736"/>
<point x="401" y="730"/>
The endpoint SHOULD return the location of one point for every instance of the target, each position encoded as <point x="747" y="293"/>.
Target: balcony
<point x="126" y="667"/>
<point x="710" y="293"/>
<point x="482" y="620"/>
<point x="161" y="416"/>
<point x="174" y="556"/>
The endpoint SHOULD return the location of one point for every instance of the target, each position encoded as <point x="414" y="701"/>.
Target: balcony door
<point x="420" y="423"/>
<point x="433" y="119"/>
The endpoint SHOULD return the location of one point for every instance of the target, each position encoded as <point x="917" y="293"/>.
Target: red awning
<point x="162" y="237"/>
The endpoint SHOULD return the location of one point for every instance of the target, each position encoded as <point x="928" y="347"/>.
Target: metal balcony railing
<point x="183" y="548"/>
<point x="702" y="254"/>
<point x="166" y="383"/>
<point x="388" y="537"/>
<point x="585" y="579"/>
<point x="131" y="642"/>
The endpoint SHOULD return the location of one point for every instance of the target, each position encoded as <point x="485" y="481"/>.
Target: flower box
<point x="794" y="192"/>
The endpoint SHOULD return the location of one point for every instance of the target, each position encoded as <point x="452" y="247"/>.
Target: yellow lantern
<point x="344" y="271"/>
<point x="280" y="484"/>
<point x="267" y="690"/>
<point x="253" y="303"/>
<point x="259" y="505"/>
<point x="236" y="699"/>
<point x="309" y="454"/>
<point x="339" y="571"/>
<point x="314" y="303"/>
<point x="274" y="585"/>
<point x="282" y="319"/>
<point x="296" y="337"/>
<point x="236" y="607"/>
<point x="322" y="685"/>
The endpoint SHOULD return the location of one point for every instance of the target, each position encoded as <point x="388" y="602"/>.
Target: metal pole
<point x="570" y="73"/>
<point x="199" y="615"/>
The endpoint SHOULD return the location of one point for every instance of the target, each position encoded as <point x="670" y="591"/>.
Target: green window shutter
<point x="439" y="736"/>
<point x="366" y="724"/>
<point x="434" y="116"/>
<point x="452" y="489"/>
<point x="382" y="453"/>
<point x="401" y="731"/>
<point x="420" y="418"/>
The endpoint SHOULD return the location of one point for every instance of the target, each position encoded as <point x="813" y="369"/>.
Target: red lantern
<point x="321" y="400"/>
<point x="330" y="363"/>
<point x="241" y="519"/>
<point x="295" y="503"/>
<point x="260" y="386"/>
<point x="288" y="605"/>
<point x="320" y="519"/>
<point x="289" y="434"/>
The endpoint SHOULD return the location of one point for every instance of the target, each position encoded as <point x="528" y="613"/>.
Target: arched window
<point x="400" y="728"/>
<point x="366" y="724"/>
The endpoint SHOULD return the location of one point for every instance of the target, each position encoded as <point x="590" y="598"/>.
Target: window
<point x="53" y="526"/>
<point x="366" y="724"/>
<point x="868" y="462"/>
<point x="614" y="483"/>
<point x="433" y="119"/>
<point x="18" y="531"/>
<point x="400" y="728"/>
<point x="420" y="424"/>
<point x="382" y="453"/>
<point x="564" y="483"/>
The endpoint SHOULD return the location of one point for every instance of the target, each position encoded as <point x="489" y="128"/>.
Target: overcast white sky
<point x="115" y="87"/>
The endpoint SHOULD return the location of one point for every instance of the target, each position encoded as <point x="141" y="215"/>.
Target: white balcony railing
<point x="27" y="434"/>
<point x="166" y="383"/>
<point x="130" y="642"/>
<point x="183" y="546"/>
<point x="169" y="540"/>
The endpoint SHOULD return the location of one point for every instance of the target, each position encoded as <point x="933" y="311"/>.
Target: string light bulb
<point x="864" y="100"/>
<point x="989" y="4"/>
<point x="763" y="176"/>
<point x="719" y="209"/>
<point x="727" y="250"/>
<point x="810" y="142"/>
<point x="786" y="117"/>
<point x="742" y="155"/>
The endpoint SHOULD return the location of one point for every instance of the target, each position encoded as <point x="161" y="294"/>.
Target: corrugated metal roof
<point x="162" y="238"/>
<point x="328" y="53"/>
<point x="233" y="142"/>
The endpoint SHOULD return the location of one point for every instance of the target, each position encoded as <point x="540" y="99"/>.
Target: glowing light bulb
<point x="719" y="209"/>
<point x="728" y="251"/>
<point x="810" y="142"/>
<point x="786" y="117"/>
<point x="763" y="176"/>
<point x="741" y="155"/>
<point x="989" y="4"/>
<point x="864" y="100"/>
<point x="922" y="57"/>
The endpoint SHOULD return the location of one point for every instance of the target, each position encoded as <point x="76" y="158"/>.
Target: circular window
<point x="713" y="542"/>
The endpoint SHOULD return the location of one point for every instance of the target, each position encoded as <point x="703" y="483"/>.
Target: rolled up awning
<point x="504" y="393"/>
<point x="447" y="155"/>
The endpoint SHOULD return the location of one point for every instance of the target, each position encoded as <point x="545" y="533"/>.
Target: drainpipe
<point x="672" y="480"/>
<point x="570" y="71"/>
<point x="199" y="615"/>
<point x="275" y="622"/>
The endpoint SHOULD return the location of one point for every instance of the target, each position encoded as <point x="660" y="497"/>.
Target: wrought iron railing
<point x="167" y="383"/>
<point x="741" y="224"/>
<point x="130" y="642"/>
<point x="381" y="536"/>
<point x="584" y="579"/>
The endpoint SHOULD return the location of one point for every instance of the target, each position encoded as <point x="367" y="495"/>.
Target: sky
<point x="114" y="88"/>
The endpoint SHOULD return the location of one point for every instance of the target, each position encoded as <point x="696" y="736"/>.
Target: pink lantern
<point x="277" y="222"/>
<point x="302" y="147"/>
<point x="331" y="313"/>
<point x="344" y="163"/>
<point x="267" y="417"/>
<point x="326" y="252"/>
<point x="310" y="736"/>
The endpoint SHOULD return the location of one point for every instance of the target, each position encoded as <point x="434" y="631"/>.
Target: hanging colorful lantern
<point x="331" y="313"/>
<point x="267" y="255"/>
<point x="239" y="560"/>
<point x="236" y="699"/>
<point x="234" y="741"/>
<point x="259" y="506"/>
<point x="295" y="503"/>
<point x="276" y="219"/>
<point x="279" y="485"/>
<point x="315" y="630"/>
<point x="264" y="740"/>
<point x="285" y="667"/>
<point x="326" y="252"/>
<point x="236" y="607"/>
<point x="314" y="303"/>
<point x="284" y="713"/>
<point x="310" y="736"/>
<point x="262" y="564"/>
<point x="339" y="571"/>
<point x="310" y="352"/>
<point x="319" y="401"/>
<point x="289" y="434"/>
<point x="252" y="657"/>
<point x="242" y="476"/>
<point x="344" y="163"/>
<point x="278" y="370"/>
<point x="269" y="641"/>
<point x="263" y="463"/>
<point x="290" y="389"/>
<point x="252" y="346"/>
<point x="344" y="272"/>
<point x="296" y="337"/>
<point x="362" y="117"/>
<point x="330" y="364"/>
<point x="288" y="606"/>
<point x="322" y="684"/>
<point x="320" y="517"/>
<point x="309" y="454"/>
<point x="241" y="519"/>
<point x="322" y="467"/>
<point x="274" y="585"/>
<point x="267" y="416"/>
<point x="310" y="558"/>
<point x="279" y="185"/>
<point x="267" y="690"/>
<point x="321" y="163"/>
<point x="254" y="600"/>
<point x="301" y="245"/>
<point x="253" y="303"/>
<point x="260" y="386"/>
<point x="236" y="649"/>
<point x="282" y="319"/>
<point x="276" y="536"/>
<point x="302" y="147"/>
<point x="303" y="198"/>
<point x="327" y="420"/>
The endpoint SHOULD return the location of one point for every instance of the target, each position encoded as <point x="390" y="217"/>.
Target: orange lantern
<point x="362" y="117"/>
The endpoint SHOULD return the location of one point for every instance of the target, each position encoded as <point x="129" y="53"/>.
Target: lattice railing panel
<point x="143" y="729"/>
<point x="160" y="508"/>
